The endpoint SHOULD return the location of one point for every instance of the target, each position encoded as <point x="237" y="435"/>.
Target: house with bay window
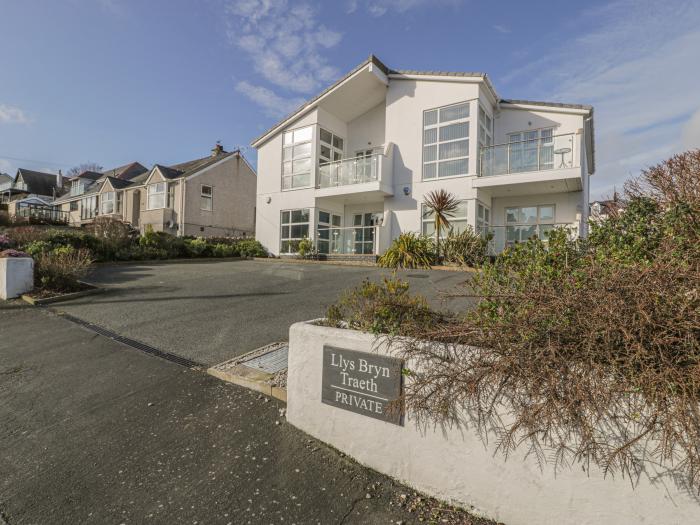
<point x="350" y="168"/>
<point x="213" y="196"/>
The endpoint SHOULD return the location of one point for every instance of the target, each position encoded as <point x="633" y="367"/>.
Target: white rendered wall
<point x="16" y="276"/>
<point x="454" y="464"/>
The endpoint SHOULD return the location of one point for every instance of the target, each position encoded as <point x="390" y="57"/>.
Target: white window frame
<point x="437" y="125"/>
<point x="523" y="142"/>
<point x="538" y="222"/>
<point x="290" y="224"/>
<point x="89" y="207"/>
<point x="485" y="128"/>
<point x="427" y="221"/>
<point x="337" y="153"/>
<point x="290" y="143"/>
<point x="206" y="198"/>
<point x="108" y="203"/>
<point x="483" y="217"/>
<point x="155" y="192"/>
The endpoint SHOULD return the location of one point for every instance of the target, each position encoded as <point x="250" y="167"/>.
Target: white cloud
<point x="379" y="8"/>
<point x="12" y="115"/>
<point x="501" y="29"/>
<point x="637" y="67"/>
<point x="273" y="105"/>
<point x="285" y="42"/>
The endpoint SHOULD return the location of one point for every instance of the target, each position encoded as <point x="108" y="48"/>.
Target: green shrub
<point x="196" y="247"/>
<point x="383" y="308"/>
<point x="251" y="248"/>
<point x="306" y="250"/>
<point x="37" y="247"/>
<point x="409" y="250"/>
<point x="225" y="250"/>
<point x="466" y="248"/>
<point x="60" y="269"/>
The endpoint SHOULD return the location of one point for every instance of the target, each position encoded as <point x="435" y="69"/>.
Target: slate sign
<point x="362" y="383"/>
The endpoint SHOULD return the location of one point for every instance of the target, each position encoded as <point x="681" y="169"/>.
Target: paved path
<point x="94" y="432"/>
<point x="212" y="311"/>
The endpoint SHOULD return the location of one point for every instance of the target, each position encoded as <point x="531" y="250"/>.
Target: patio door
<point x="363" y="233"/>
<point x="328" y="233"/>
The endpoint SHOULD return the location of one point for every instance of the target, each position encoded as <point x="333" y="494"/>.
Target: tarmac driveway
<point x="211" y="311"/>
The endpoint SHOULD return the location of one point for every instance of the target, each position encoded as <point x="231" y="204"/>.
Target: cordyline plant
<point x="582" y="352"/>
<point x="441" y="206"/>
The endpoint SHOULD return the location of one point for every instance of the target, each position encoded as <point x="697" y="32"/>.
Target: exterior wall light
<point x="268" y="200"/>
<point x="406" y="190"/>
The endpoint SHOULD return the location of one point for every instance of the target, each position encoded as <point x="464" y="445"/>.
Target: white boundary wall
<point x="455" y="466"/>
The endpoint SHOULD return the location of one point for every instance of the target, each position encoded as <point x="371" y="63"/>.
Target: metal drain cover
<point x="270" y="362"/>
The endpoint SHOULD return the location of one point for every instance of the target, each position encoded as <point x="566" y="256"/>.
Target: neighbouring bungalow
<point x="210" y="197"/>
<point x="30" y="190"/>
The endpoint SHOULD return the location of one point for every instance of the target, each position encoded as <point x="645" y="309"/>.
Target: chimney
<point x="218" y="149"/>
<point x="59" y="180"/>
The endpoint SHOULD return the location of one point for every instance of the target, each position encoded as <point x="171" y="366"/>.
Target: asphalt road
<point x="212" y="311"/>
<point x="94" y="432"/>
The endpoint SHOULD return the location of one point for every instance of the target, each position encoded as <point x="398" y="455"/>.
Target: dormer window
<point x="77" y="187"/>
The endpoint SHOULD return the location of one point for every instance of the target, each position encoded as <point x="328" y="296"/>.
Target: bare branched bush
<point x="582" y="352"/>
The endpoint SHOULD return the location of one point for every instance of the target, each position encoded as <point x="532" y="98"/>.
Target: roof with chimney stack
<point x="38" y="182"/>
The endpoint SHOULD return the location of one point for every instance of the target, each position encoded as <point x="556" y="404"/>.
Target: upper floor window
<point x="296" y="158"/>
<point x="77" y="187"/>
<point x="446" y="141"/>
<point x="207" y="198"/>
<point x="157" y="195"/>
<point x="330" y="147"/>
<point x="531" y="150"/>
<point x="485" y="128"/>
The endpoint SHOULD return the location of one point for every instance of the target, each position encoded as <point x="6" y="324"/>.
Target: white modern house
<point x="350" y="168"/>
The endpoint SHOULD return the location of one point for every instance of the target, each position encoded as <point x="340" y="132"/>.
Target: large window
<point x="108" y="203"/>
<point x="294" y="226"/>
<point x="531" y="150"/>
<point x="485" y="128"/>
<point x="329" y="232"/>
<point x="330" y="147"/>
<point x="296" y="158"/>
<point x="446" y="141"/>
<point x="88" y="207"/>
<point x="483" y="218"/>
<point x="524" y="222"/>
<point x="157" y="195"/>
<point x="207" y="198"/>
<point x="458" y="220"/>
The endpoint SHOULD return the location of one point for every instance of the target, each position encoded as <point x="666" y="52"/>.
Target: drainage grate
<point x="270" y="362"/>
<point x="183" y="361"/>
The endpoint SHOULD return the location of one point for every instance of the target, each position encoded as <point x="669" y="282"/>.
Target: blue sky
<point x="111" y="81"/>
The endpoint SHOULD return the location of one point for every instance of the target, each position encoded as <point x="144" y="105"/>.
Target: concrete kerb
<point x="40" y="301"/>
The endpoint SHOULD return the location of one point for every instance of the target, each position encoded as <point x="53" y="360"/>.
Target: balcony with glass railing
<point x="12" y="185"/>
<point x="554" y="152"/>
<point x="371" y="174"/>
<point x="357" y="240"/>
<point x="507" y="236"/>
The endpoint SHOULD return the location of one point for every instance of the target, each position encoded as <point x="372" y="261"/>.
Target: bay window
<point x="296" y="158"/>
<point x="157" y="195"/>
<point x="446" y="141"/>
<point x="294" y="226"/>
<point x="108" y="202"/>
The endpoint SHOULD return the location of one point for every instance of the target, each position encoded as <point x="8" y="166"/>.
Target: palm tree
<point x="442" y="205"/>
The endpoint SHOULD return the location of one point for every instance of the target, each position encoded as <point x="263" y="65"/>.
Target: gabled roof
<point x="4" y="177"/>
<point x="119" y="184"/>
<point x="89" y="175"/>
<point x="127" y="171"/>
<point x="398" y="73"/>
<point x="38" y="182"/>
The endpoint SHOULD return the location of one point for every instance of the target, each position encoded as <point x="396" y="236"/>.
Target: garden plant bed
<point x="41" y="297"/>
<point x="263" y="370"/>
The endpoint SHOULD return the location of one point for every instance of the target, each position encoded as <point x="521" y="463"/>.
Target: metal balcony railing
<point x="544" y="153"/>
